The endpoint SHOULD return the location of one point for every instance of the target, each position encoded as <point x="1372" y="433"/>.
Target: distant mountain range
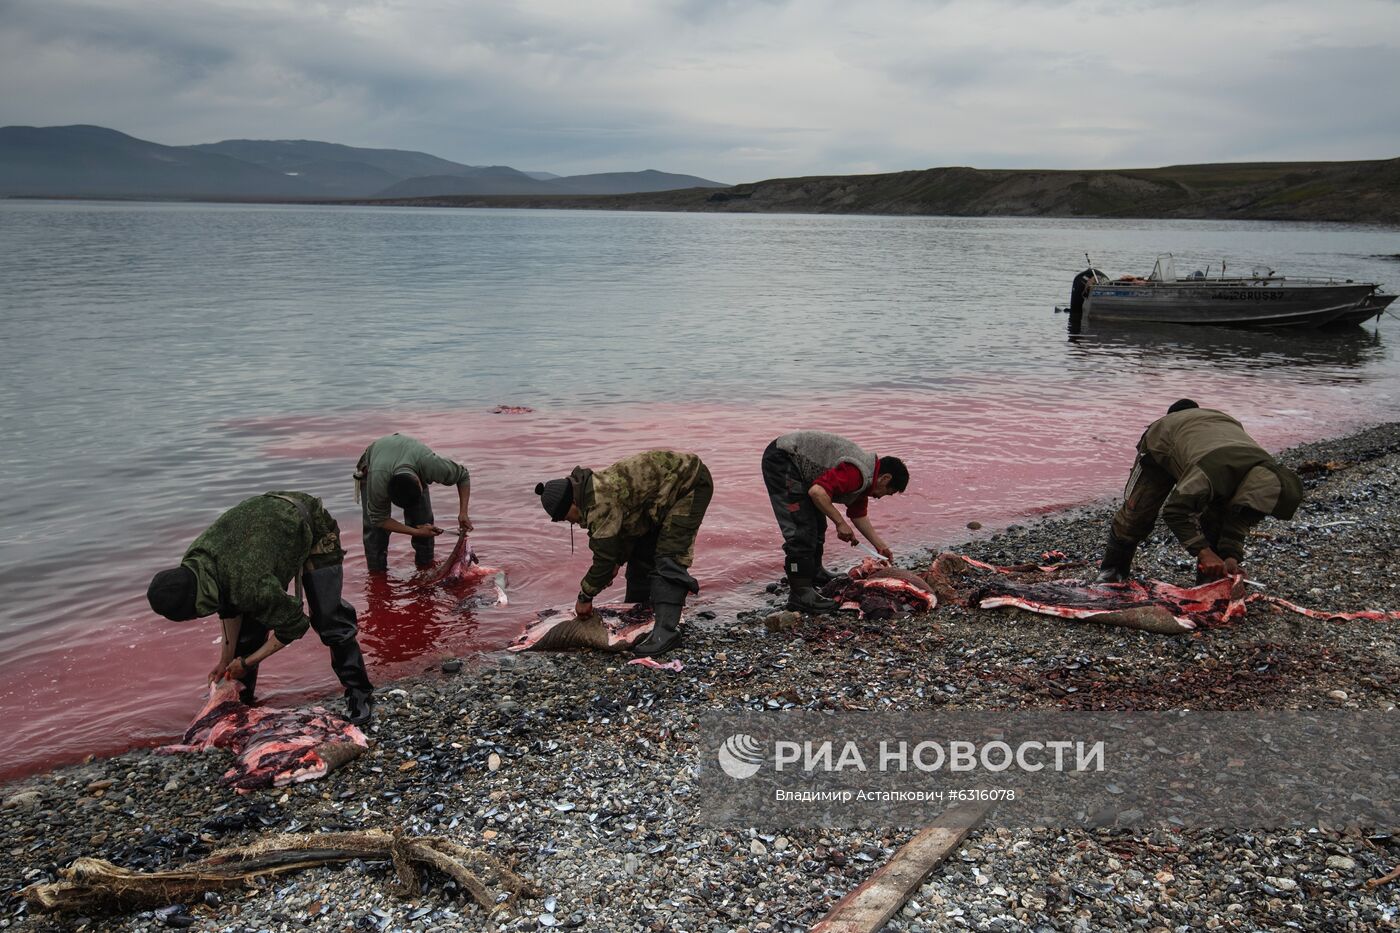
<point x="93" y="161"/>
<point x="90" y="161"/>
<point x="1359" y="192"/>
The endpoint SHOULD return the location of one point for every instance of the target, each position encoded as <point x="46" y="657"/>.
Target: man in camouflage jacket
<point x="642" y="512"/>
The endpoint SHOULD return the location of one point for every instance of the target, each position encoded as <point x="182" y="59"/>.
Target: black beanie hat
<point x="172" y="593"/>
<point x="1181" y="404"/>
<point x="556" y="496"/>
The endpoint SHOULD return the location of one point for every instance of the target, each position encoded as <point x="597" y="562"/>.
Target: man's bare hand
<point x="1232" y="567"/>
<point x="582" y="609"/>
<point x="237" y="669"/>
<point x="219" y="670"/>
<point x="1209" y="565"/>
<point x="464" y="523"/>
<point x="885" y="552"/>
<point x="426" y="531"/>
<point x="846" y="533"/>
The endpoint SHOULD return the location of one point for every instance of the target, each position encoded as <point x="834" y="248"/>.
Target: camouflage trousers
<point x="670" y="542"/>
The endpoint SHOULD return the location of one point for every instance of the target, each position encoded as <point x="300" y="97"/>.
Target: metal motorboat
<point x="1262" y="299"/>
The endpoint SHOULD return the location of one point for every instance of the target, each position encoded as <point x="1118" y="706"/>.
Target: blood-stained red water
<point x="992" y="451"/>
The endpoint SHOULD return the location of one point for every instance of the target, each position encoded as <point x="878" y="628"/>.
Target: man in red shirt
<point x="807" y="474"/>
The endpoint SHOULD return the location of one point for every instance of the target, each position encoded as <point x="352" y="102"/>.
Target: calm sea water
<point x="163" y="361"/>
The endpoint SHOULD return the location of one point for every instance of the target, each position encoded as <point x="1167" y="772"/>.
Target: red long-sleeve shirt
<point x="843" y="479"/>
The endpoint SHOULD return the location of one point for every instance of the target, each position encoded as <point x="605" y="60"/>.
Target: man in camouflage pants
<point x="1211" y="482"/>
<point x="644" y="512"/>
<point x="240" y="567"/>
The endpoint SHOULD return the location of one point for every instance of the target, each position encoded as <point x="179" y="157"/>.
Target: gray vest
<point x="815" y="452"/>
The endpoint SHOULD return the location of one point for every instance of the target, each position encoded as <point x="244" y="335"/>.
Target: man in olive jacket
<point x="240" y="567"/>
<point x="397" y="471"/>
<point x="1210" y="481"/>
<point x="643" y="512"/>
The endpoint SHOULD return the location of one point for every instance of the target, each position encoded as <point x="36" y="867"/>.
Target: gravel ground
<point x="577" y="769"/>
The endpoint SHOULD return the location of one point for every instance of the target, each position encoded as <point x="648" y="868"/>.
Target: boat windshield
<point x="1164" y="270"/>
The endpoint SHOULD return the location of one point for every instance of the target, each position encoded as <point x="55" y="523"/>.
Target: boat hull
<point x="1371" y="306"/>
<point x="1247" y="304"/>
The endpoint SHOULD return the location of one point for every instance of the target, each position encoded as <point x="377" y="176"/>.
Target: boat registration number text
<point x="1247" y="294"/>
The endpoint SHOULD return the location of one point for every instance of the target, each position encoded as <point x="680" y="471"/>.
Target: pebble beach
<point x="577" y="770"/>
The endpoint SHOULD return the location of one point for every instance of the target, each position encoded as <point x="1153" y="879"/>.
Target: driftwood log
<point x="1384" y="879"/>
<point x="92" y="885"/>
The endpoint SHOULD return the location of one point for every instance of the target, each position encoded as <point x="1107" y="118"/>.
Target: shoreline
<point x="648" y="202"/>
<point x="1355" y="191"/>
<point x="611" y="741"/>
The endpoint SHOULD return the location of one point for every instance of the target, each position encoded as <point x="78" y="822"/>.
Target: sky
<point x="731" y="90"/>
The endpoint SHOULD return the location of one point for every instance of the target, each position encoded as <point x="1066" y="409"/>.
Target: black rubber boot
<point x="638" y="584"/>
<point x="250" y="639"/>
<point x="359" y="708"/>
<point x="421" y="513"/>
<point x="348" y="662"/>
<point x="248" y="687"/>
<point x="667" y="600"/>
<point x="641" y="569"/>
<point x="1117" y="563"/>
<point x="802" y="597"/>
<point x="335" y="623"/>
<point x="376" y="549"/>
<point x="820" y="575"/>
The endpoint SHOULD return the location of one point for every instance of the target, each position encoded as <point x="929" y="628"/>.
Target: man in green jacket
<point x="643" y="512"/>
<point x="240" y="567"/>
<point x="396" y="471"/>
<point x="1211" y="482"/>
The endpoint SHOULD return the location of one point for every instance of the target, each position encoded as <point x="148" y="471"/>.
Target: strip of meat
<point x="222" y="701"/>
<point x="895" y="573"/>
<point x="879" y="591"/>
<point x="609" y="628"/>
<point x="1368" y="615"/>
<point x="1051" y="557"/>
<point x="274" y="747"/>
<point x="1151" y="606"/>
<point x="920" y="597"/>
<point x="463" y="568"/>
<point x="866" y="567"/>
<point x="656" y="665"/>
<point x="1146" y="618"/>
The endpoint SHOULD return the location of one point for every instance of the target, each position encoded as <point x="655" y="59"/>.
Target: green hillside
<point x="1363" y="192"/>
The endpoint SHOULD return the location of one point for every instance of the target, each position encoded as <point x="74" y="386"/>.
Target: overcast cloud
<point x="733" y="90"/>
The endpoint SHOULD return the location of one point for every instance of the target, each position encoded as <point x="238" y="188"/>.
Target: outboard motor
<point x="1077" y="290"/>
